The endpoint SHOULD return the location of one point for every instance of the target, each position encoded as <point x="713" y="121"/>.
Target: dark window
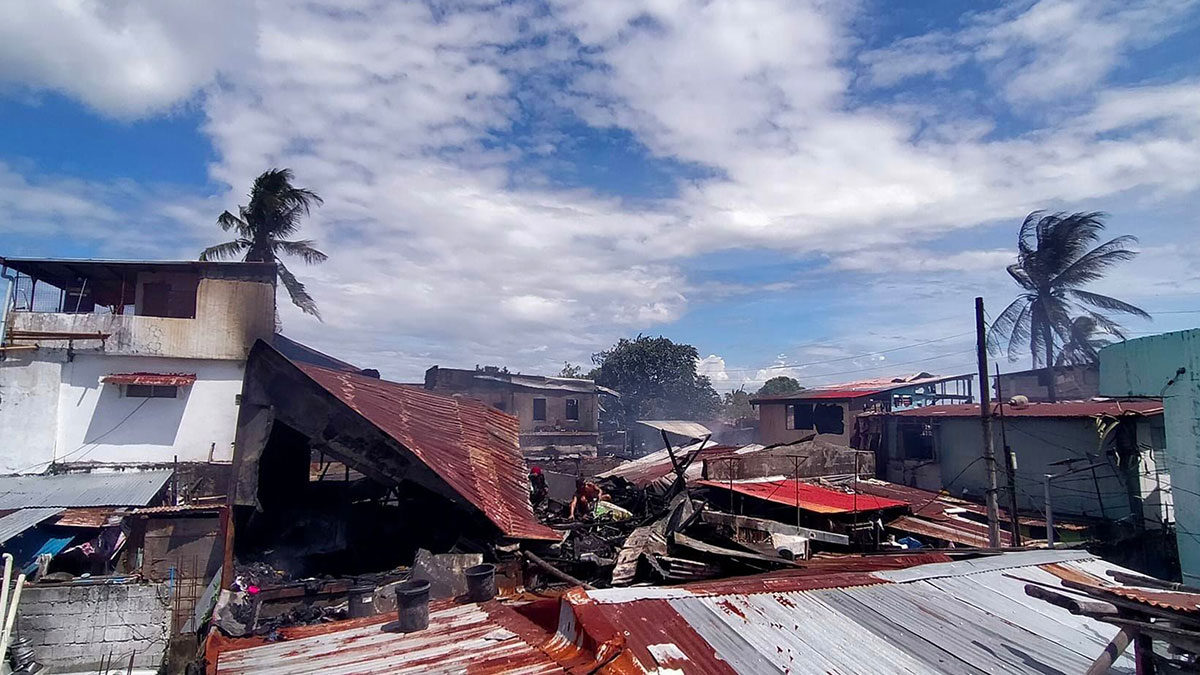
<point x="828" y="419"/>
<point x="150" y="391"/>
<point x="573" y="409"/>
<point x="539" y="409"/>
<point x="176" y="300"/>
<point x="802" y="416"/>
<point x="917" y="441"/>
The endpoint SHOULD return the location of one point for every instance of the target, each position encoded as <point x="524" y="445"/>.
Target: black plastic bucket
<point x="481" y="582"/>
<point x="362" y="601"/>
<point x="412" y="606"/>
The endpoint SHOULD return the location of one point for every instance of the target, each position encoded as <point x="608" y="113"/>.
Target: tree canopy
<point x="736" y="405"/>
<point x="1056" y="258"/>
<point x="657" y="379"/>
<point x="781" y="384"/>
<point x="263" y="227"/>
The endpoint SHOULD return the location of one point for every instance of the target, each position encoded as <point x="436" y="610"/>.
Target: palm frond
<point x="230" y="249"/>
<point x="1021" y="276"/>
<point x="1092" y="265"/>
<point x="228" y="221"/>
<point x="1006" y="324"/>
<point x="1107" y="303"/>
<point x="298" y="293"/>
<point x="302" y="249"/>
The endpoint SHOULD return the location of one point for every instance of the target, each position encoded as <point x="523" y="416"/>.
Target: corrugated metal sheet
<point x="87" y="517"/>
<point x="857" y="389"/>
<point x="955" y="619"/>
<point x="679" y="427"/>
<point x="1094" y="573"/>
<point x="645" y="470"/>
<point x="473" y="447"/>
<point x="559" y="384"/>
<point x="18" y="521"/>
<point x="125" y="488"/>
<point x="990" y="563"/>
<point x="155" y="379"/>
<point x="1062" y="409"/>
<point x="459" y="639"/>
<point x="807" y="496"/>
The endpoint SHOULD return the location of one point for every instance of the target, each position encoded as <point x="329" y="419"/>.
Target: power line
<point x="780" y="366"/>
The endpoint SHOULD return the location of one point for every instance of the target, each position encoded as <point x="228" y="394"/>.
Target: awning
<point x="806" y="496"/>
<point x="155" y="379"/>
<point x="679" y="427"/>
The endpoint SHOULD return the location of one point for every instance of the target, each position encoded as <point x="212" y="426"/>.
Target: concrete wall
<point x="52" y="409"/>
<point x="74" y="626"/>
<point x="112" y="428"/>
<point x="1168" y="365"/>
<point x="230" y="316"/>
<point x="773" y="420"/>
<point x="1071" y="384"/>
<point x="29" y="384"/>
<point x="1037" y="443"/>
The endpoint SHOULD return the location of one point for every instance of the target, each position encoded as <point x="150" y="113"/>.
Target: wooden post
<point x="985" y="419"/>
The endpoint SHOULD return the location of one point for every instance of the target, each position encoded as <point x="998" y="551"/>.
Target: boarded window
<point x="573" y="409"/>
<point x="539" y="409"/>
<point x="150" y="391"/>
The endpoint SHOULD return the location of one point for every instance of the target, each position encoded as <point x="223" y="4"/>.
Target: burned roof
<point x="945" y="617"/>
<point x="1093" y="408"/>
<point x="471" y="447"/>
<point x="302" y="353"/>
<point x="486" y="638"/>
<point x="858" y="389"/>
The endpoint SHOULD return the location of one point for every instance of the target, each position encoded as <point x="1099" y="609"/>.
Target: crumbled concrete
<point x="76" y="626"/>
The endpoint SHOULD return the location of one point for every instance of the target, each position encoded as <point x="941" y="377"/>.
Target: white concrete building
<point x="106" y="363"/>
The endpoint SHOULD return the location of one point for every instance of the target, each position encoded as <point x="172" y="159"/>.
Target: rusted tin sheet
<point x="460" y="639"/>
<point x="806" y="496"/>
<point x="154" y="379"/>
<point x="473" y="447"/>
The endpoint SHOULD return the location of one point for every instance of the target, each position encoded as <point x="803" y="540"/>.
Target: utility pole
<point x="1010" y="466"/>
<point x="985" y="419"/>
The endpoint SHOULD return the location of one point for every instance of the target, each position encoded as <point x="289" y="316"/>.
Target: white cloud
<point x="122" y="57"/>
<point x="935" y="54"/>
<point x="442" y="251"/>
<point x="713" y="367"/>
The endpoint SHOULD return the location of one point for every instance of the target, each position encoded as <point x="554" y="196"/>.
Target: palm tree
<point x="274" y="213"/>
<point x="1053" y="264"/>
<point x="1083" y="343"/>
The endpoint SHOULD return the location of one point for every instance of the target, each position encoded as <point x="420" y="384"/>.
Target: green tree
<point x="737" y="405"/>
<point x="1083" y="343"/>
<point x="1056" y="258"/>
<point x="780" y="384"/>
<point x="263" y="227"/>
<point x="657" y="379"/>
<point x="571" y="370"/>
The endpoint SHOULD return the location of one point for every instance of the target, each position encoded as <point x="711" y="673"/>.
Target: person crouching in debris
<point x="587" y="496"/>
<point x="538" y="489"/>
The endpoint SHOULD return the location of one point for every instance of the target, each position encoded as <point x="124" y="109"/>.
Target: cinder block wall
<point x="75" y="626"/>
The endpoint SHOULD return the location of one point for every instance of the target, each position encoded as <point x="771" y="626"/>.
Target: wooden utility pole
<point x="1010" y="466"/>
<point x="985" y="418"/>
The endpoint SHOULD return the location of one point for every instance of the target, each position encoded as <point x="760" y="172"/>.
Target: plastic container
<point x="481" y="582"/>
<point x="412" y="606"/>
<point x="362" y="601"/>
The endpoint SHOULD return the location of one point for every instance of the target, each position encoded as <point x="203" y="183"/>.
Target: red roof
<point x="857" y="389"/>
<point x="1061" y="409"/>
<point x="155" y="379"/>
<point x="473" y="447"/>
<point x="807" y="496"/>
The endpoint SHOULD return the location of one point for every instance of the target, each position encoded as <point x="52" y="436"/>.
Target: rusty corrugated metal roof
<point x="155" y="379"/>
<point x="857" y="389"/>
<point x="792" y="492"/>
<point x="473" y="447"/>
<point x="1061" y="409"/>
<point x="486" y="638"/>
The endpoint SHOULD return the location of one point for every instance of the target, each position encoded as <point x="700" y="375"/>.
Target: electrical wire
<point x="95" y="441"/>
<point x="780" y="366"/>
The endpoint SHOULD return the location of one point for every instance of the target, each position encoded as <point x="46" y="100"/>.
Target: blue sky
<point x="805" y="188"/>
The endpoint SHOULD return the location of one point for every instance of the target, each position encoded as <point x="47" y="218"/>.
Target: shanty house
<point x="830" y="411"/>
<point x="1071" y="383"/>
<point x="123" y="362"/>
<point x="554" y="412"/>
<point x="941" y="447"/>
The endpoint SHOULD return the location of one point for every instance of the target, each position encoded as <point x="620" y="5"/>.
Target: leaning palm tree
<point x="1053" y="264"/>
<point x="262" y="228"/>
<point x="1083" y="343"/>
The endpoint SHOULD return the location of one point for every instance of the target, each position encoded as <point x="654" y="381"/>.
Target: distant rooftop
<point x="859" y="388"/>
<point x="1090" y="408"/>
<point x="64" y="271"/>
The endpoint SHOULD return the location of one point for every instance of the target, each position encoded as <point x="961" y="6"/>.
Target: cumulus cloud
<point x="407" y="118"/>
<point x="123" y="58"/>
<point x="713" y="367"/>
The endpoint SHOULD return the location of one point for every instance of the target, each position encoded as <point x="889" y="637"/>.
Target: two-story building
<point x="555" y="412"/>
<point x="125" y="363"/>
<point x="829" y="412"/>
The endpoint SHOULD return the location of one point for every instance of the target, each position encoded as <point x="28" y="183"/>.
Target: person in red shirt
<point x="538" y="489"/>
<point x="587" y="495"/>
